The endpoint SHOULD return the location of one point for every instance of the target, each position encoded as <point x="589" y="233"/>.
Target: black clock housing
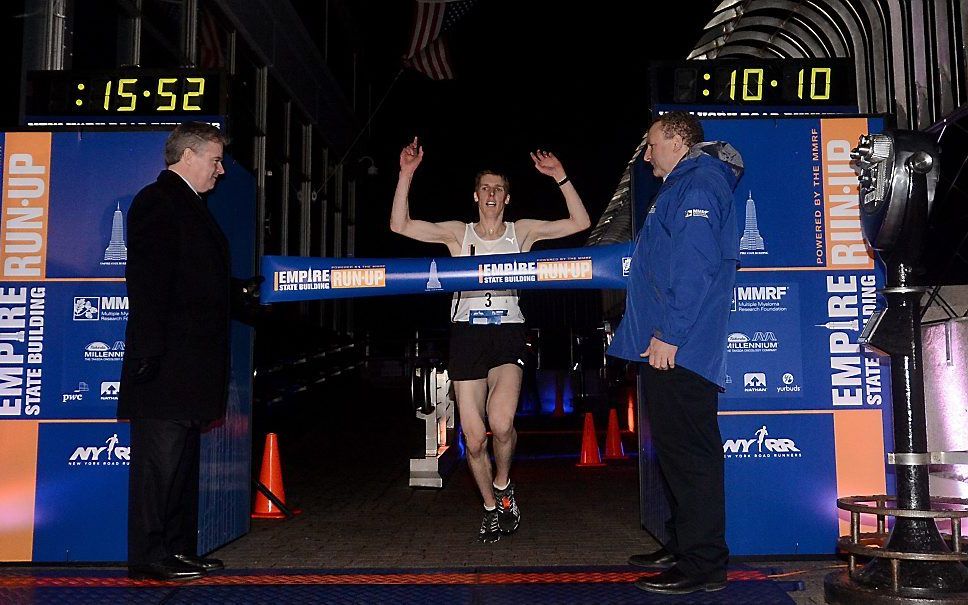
<point x="125" y="92"/>
<point x="770" y="82"/>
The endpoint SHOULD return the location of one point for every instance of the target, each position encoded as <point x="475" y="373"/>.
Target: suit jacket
<point x="179" y="290"/>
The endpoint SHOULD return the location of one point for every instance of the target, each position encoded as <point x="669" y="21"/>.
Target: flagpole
<point x="360" y="133"/>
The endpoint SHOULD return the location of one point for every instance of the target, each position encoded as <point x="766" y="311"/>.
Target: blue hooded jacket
<point x="683" y="270"/>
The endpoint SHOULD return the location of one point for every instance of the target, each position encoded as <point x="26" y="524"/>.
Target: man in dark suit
<point x="175" y="376"/>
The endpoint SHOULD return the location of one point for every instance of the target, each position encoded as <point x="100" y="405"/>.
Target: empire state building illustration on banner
<point x="752" y="241"/>
<point x="117" y="252"/>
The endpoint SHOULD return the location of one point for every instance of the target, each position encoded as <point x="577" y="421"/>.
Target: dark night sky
<point x="567" y="77"/>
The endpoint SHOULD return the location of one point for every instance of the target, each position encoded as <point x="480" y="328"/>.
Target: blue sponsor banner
<point x="291" y="278"/>
<point x="797" y="201"/>
<point x="82" y="492"/>
<point x="92" y="183"/>
<point x="792" y="342"/>
<point x="793" y="511"/>
<point x="68" y="362"/>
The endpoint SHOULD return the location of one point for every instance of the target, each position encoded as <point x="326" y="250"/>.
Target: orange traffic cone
<point x="589" y="444"/>
<point x="631" y="409"/>
<point x="613" y="438"/>
<point x="271" y="477"/>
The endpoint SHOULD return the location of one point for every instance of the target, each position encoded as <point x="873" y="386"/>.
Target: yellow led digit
<point x="172" y="99"/>
<point x="107" y="95"/>
<point x="193" y="93"/>
<point x="130" y="96"/>
<point x="748" y="95"/>
<point x="813" y="83"/>
<point x="732" y="85"/>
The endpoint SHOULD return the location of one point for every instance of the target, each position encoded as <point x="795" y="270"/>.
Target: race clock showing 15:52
<point x="127" y="91"/>
<point x="772" y="82"/>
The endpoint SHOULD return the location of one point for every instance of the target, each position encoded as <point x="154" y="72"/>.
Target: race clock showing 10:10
<point x="132" y="92"/>
<point x="779" y="82"/>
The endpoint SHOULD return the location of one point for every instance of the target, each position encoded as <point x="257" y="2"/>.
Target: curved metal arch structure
<point x="911" y="56"/>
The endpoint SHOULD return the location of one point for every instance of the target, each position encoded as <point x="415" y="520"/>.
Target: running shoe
<point x="508" y="515"/>
<point x="490" y="530"/>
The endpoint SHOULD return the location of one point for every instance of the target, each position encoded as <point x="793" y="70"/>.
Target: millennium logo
<point x="117" y="251"/>
<point x="751" y="241"/>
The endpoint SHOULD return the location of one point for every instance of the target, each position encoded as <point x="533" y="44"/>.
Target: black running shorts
<point x="476" y="349"/>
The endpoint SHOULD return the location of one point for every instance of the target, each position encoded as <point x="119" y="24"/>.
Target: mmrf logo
<point x="109" y="390"/>
<point x="760" y="298"/>
<point x="761" y="342"/>
<point x="100" y="308"/>
<point x="101" y="351"/>
<point x="761" y="445"/>
<point x="109" y="454"/>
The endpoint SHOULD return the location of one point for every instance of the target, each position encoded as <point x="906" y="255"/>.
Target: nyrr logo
<point x="100" y="308"/>
<point x="697" y="213"/>
<point x="99" y="351"/>
<point x="109" y="454"/>
<point x="626" y="265"/>
<point x="761" y="446"/>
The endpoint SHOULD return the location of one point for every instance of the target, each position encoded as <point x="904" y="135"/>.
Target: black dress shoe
<point x="168" y="570"/>
<point x="658" y="558"/>
<point x="200" y="563"/>
<point x="673" y="581"/>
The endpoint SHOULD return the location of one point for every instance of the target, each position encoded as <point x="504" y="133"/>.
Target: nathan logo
<point x="109" y="454"/>
<point x="761" y="445"/>
<point x="101" y="351"/>
<point x="761" y="342"/>
<point x="77" y="395"/>
<point x="697" y="213"/>
<point x="754" y="382"/>
<point x="109" y="390"/>
<point x="626" y="265"/>
<point x="100" y="308"/>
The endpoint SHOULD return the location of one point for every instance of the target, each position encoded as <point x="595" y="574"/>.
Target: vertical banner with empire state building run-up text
<point x="63" y="312"/>
<point x="805" y="417"/>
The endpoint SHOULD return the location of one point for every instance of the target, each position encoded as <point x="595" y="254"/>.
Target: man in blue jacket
<point x="678" y="300"/>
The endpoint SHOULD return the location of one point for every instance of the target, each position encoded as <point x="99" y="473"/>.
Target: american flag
<point x="428" y="51"/>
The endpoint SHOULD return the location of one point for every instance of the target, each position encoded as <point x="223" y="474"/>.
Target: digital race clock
<point x="124" y="92"/>
<point x="776" y="82"/>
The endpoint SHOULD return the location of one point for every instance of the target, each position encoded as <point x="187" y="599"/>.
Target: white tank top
<point x="487" y="306"/>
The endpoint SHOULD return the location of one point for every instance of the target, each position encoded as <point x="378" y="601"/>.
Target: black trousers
<point x="163" y="489"/>
<point x="682" y="410"/>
